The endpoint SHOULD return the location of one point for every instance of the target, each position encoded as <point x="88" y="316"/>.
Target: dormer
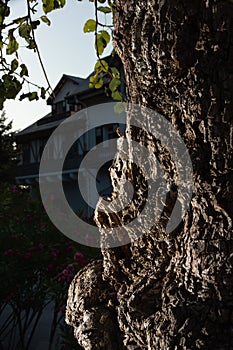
<point x="64" y="99"/>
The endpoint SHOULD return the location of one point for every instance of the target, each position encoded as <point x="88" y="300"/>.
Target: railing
<point x="96" y="159"/>
<point x="32" y="169"/>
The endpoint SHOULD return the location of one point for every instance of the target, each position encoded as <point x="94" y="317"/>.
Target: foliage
<point x="8" y="151"/>
<point x="14" y="34"/>
<point x="103" y="73"/>
<point x="18" y="33"/>
<point x="37" y="264"/>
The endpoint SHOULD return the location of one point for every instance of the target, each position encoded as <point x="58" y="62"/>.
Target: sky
<point x="64" y="48"/>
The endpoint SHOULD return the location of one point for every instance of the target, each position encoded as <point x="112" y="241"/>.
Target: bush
<point x="37" y="264"/>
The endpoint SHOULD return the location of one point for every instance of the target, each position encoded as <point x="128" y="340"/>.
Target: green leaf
<point x="46" y="20"/>
<point x="33" y="96"/>
<point x="96" y="82"/>
<point x="100" y="45"/>
<point x="24" y="70"/>
<point x="11" y="85"/>
<point x="105" y="35"/>
<point x="116" y="95"/>
<point x="119" y="107"/>
<point x="50" y="5"/>
<point x="104" y="9"/>
<point x="106" y="90"/>
<point x="103" y="38"/>
<point x="14" y="65"/>
<point x="2" y="100"/>
<point x="35" y="24"/>
<point x="42" y="93"/>
<point x="114" y="83"/>
<point x="99" y="84"/>
<point x="102" y="1"/>
<point x="4" y="11"/>
<point x="24" y="30"/>
<point x="89" y="26"/>
<point x="30" y="95"/>
<point x="32" y="44"/>
<point x="12" y="45"/>
<point x="93" y="78"/>
<point x="101" y="66"/>
<point x="23" y="96"/>
<point x="115" y="72"/>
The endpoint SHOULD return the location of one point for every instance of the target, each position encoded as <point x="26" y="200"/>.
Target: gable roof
<point x="77" y="85"/>
<point x="67" y="86"/>
<point x="34" y="127"/>
<point x="80" y="85"/>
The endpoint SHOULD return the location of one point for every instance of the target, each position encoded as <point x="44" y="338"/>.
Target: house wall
<point x="31" y="157"/>
<point x="66" y="90"/>
<point x="74" y="197"/>
<point x="94" y="188"/>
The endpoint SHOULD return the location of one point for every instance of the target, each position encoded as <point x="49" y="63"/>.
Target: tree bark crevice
<point x="175" y="290"/>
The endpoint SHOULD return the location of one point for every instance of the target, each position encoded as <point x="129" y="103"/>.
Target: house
<point x="72" y="97"/>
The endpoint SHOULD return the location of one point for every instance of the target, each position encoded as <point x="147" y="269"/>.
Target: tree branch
<point x="37" y="49"/>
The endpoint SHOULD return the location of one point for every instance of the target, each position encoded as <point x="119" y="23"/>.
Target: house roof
<point x="35" y="127"/>
<point x="67" y="86"/>
<point x="79" y="85"/>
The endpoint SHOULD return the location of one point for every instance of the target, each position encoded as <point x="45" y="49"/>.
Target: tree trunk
<point x="175" y="290"/>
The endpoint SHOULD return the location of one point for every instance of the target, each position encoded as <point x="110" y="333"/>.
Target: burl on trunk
<point x="170" y="290"/>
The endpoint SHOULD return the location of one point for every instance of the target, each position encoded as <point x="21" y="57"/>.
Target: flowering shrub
<point x="37" y="263"/>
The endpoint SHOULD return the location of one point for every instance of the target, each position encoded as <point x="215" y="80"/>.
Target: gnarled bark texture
<point x="175" y="291"/>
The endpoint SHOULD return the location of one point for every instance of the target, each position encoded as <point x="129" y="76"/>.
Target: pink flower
<point x="65" y="272"/>
<point x="70" y="267"/>
<point x="79" y="257"/>
<point x="54" y="253"/>
<point x="14" y="189"/>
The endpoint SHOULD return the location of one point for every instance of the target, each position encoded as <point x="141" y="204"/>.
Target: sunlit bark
<point x="175" y="291"/>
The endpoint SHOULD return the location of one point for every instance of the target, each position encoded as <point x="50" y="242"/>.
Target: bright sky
<point x="65" y="49"/>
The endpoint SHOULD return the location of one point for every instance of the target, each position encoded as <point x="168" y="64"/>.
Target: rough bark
<point x="175" y="291"/>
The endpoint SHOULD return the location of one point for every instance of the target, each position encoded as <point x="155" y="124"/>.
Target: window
<point x="106" y="132"/>
<point x="111" y="130"/>
<point x="59" y="107"/>
<point x="99" y="134"/>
